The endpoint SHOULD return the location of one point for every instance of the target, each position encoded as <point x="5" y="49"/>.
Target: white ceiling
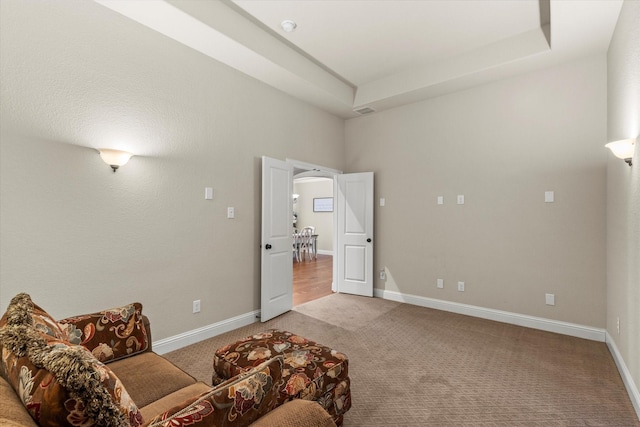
<point x="345" y="55"/>
<point x="364" y="41"/>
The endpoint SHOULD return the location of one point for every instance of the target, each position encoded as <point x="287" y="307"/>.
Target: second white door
<point x="354" y="203"/>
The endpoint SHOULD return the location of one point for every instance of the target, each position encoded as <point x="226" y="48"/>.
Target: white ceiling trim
<point x="219" y="31"/>
<point x="396" y="89"/>
<point x="215" y="32"/>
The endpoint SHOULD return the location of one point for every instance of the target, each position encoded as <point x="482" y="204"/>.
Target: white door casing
<point x="276" y="296"/>
<point x="354" y="204"/>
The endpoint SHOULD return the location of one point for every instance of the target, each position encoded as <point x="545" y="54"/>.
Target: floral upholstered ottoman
<point x="311" y="371"/>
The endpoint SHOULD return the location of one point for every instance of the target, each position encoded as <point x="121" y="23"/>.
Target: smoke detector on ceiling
<point x="288" y="25"/>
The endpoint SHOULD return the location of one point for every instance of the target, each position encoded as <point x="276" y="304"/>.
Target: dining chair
<point x="305" y="243"/>
<point x="296" y="245"/>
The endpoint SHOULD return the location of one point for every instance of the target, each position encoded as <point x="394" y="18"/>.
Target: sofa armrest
<point x="110" y="334"/>
<point x="147" y="327"/>
<point x="238" y="401"/>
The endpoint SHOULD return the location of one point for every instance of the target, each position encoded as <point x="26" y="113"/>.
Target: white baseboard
<point x="175" y="342"/>
<point x="324" y="252"/>
<point x="632" y="389"/>
<point x="565" y="328"/>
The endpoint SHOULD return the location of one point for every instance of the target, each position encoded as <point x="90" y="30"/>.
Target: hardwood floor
<point x="312" y="279"/>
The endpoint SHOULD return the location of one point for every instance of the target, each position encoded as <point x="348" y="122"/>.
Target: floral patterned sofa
<point x="98" y="370"/>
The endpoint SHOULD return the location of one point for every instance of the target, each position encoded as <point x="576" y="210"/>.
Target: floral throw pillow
<point x="110" y="334"/>
<point x="45" y="324"/>
<point x="238" y="401"/>
<point x="60" y="384"/>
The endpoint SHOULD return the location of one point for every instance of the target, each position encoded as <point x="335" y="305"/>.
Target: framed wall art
<point x="323" y="204"/>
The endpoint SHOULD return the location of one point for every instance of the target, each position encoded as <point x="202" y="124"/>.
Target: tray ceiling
<point x="346" y="56"/>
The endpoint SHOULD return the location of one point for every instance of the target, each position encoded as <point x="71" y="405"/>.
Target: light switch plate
<point x="461" y="199"/>
<point x="208" y="193"/>
<point x="440" y="200"/>
<point x="231" y="213"/>
<point x="382" y="201"/>
<point x="549" y="197"/>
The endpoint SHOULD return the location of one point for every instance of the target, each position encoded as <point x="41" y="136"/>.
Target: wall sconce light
<point x="623" y="149"/>
<point x="114" y="158"/>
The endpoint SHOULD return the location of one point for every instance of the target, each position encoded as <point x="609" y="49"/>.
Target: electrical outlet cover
<point x="550" y="299"/>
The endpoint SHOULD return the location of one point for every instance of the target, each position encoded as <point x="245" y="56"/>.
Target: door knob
<point x="268" y="246"/>
<point x="369" y="240"/>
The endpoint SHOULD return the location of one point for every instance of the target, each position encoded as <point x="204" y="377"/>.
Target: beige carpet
<point x="413" y="366"/>
<point x="347" y="311"/>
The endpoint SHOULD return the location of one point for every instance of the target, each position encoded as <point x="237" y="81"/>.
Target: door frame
<point x="322" y="172"/>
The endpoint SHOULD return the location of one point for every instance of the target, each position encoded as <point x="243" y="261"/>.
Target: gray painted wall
<point x="501" y="145"/>
<point x="623" y="191"/>
<point x="80" y="238"/>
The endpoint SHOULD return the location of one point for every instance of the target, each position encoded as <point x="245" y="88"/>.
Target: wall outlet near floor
<point x="196" y="306"/>
<point x="383" y="275"/>
<point x="440" y="283"/>
<point x="550" y="299"/>
<point x="460" y="286"/>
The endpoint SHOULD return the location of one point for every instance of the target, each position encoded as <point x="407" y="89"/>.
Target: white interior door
<point x="276" y="245"/>
<point x="354" y="204"/>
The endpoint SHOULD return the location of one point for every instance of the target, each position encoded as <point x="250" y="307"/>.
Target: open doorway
<point x="313" y="212"/>
<point x="352" y="225"/>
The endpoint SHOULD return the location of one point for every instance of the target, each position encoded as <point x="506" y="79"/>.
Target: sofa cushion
<point x="109" y="334"/>
<point x="238" y="401"/>
<point x="174" y="399"/>
<point x="12" y="412"/>
<point x="59" y="383"/>
<point x="149" y="377"/>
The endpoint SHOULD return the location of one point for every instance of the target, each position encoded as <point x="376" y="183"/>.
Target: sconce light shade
<point x="623" y="149"/>
<point x="114" y="158"/>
